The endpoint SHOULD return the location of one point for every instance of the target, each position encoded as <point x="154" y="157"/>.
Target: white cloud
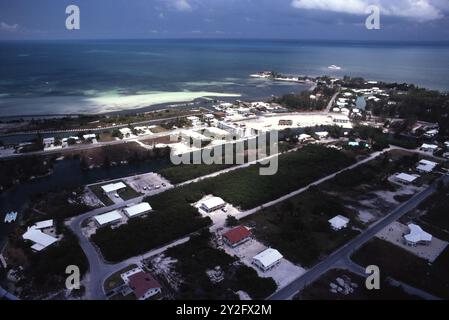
<point x="8" y="27"/>
<point x="182" y="5"/>
<point x="421" y="10"/>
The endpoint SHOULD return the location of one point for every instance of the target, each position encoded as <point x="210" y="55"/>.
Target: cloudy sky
<point x="413" y="20"/>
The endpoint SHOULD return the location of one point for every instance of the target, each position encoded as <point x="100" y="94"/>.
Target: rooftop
<point x="108" y="217"/>
<point x="417" y="234"/>
<point x="268" y="257"/>
<point x="237" y="234"/>
<point x="142" y="282"/>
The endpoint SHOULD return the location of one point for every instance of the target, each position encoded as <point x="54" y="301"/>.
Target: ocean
<point x="66" y="77"/>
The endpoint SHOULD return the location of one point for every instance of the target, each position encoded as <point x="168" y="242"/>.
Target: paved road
<point x="5" y="294"/>
<point x="314" y="273"/>
<point x="299" y="191"/>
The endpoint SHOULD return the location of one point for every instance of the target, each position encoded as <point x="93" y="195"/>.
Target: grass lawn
<point x="182" y="173"/>
<point x="404" y="266"/>
<point x="319" y="290"/>
<point x="96" y="189"/>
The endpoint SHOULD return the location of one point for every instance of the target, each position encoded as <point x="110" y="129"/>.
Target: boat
<point x="334" y="67"/>
<point x="263" y="74"/>
<point x="10" y="217"/>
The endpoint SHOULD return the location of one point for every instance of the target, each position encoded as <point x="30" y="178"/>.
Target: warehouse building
<point x="138" y="210"/>
<point x="108" y="218"/>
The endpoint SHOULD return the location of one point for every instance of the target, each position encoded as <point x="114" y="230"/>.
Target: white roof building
<point x="138" y="209"/>
<point x="417" y="235"/>
<point x="40" y="239"/>
<point x="113" y="187"/>
<point x="405" y="177"/>
<point x="216" y="132"/>
<point x="89" y="136"/>
<point x="322" y="134"/>
<point x="213" y="204"/>
<point x="125" y="131"/>
<point x="339" y="222"/>
<point x="426" y="166"/>
<point x="429" y="147"/>
<point x="267" y="259"/>
<point x="108" y="218"/>
<point x="303" y="137"/>
<point x="43" y="224"/>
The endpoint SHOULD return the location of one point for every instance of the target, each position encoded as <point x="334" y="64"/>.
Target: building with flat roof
<point x="108" y="218"/>
<point x="113" y="187"/>
<point x="417" y="236"/>
<point x="213" y="204"/>
<point x="237" y="236"/>
<point x="267" y="259"/>
<point x="43" y="224"/>
<point x="338" y="222"/>
<point x="426" y="166"/>
<point x="40" y="239"/>
<point x="428" y="147"/>
<point x="406" y="178"/>
<point x="138" y="210"/>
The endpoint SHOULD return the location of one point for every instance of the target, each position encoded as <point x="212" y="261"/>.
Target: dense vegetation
<point x="380" y="140"/>
<point x="437" y="208"/>
<point x="303" y="102"/>
<point x="22" y="169"/>
<point x="174" y="216"/>
<point x="182" y="173"/>
<point x="299" y="227"/>
<point x="405" y="266"/>
<point x="197" y="256"/>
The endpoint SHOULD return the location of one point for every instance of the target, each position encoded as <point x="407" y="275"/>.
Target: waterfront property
<point x="39" y="235"/>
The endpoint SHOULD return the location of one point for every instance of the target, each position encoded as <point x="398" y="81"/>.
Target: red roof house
<point x="237" y="236"/>
<point x="144" y="285"/>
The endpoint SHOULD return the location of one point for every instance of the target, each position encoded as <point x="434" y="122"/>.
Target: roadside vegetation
<point x="320" y="289"/>
<point x="404" y="266"/>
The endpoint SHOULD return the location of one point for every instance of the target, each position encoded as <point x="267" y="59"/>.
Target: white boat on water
<point x="334" y="67"/>
<point x="10" y="217"/>
<point x="263" y="74"/>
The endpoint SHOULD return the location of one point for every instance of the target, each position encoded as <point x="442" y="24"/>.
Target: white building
<point x="322" y="134"/>
<point x="429" y="147"/>
<point x="43" y="224"/>
<point x="108" y="218"/>
<point x="406" y="178"/>
<point x="40" y="239"/>
<point x="138" y="210"/>
<point x="338" y="222"/>
<point x="268" y="259"/>
<point x="216" y="133"/>
<point x="417" y="236"/>
<point x="126" y="132"/>
<point x="113" y="187"/>
<point x="304" y="137"/>
<point x="89" y="136"/>
<point x="213" y="204"/>
<point x="426" y="166"/>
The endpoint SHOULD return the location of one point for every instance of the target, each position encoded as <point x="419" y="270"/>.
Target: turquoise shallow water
<point x="56" y="77"/>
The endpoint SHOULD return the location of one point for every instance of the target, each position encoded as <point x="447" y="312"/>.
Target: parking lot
<point x="149" y="183"/>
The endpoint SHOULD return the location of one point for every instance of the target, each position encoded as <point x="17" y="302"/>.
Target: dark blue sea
<point x="63" y="77"/>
